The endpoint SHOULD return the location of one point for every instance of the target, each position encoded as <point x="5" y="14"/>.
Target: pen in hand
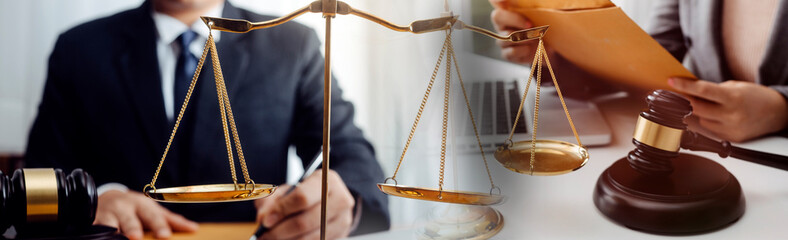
<point x="307" y="171"/>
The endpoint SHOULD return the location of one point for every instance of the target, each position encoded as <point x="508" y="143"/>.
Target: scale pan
<point x="211" y="193"/>
<point x="552" y="157"/>
<point x="431" y="194"/>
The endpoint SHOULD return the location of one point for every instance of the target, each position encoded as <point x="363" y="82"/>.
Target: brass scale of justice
<point x="533" y="157"/>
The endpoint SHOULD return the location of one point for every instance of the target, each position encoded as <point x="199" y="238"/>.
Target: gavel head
<point x="45" y="197"/>
<point x="658" y="133"/>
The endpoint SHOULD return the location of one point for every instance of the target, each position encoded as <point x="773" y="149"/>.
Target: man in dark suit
<point x="115" y="85"/>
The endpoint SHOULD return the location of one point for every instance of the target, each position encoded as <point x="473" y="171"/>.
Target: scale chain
<point x="536" y="105"/>
<point x="233" y="128"/>
<point x="451" y="59"/>
<point x="182" y="110"/>
<point x="421" y="107"/>
<point x="225" y="99"/>
<point x="236" y="137"/>
<point x="525" y="94"/>
<point x="446" y="95"/>
<point x="470" y="113"/>
<point x="222" y="111"/>
<point x="539" y="60"/>
<point x="561" y="97"/>
<point x="225" y="111"/>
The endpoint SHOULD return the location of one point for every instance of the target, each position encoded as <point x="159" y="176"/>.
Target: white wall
<point x="29" y="32"/>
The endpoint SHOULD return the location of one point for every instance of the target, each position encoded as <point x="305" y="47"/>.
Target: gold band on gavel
<point x="41" y="194"/>
<point x="657" y="135"/>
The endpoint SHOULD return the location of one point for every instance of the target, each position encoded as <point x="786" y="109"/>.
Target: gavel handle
<point x="696" y="142"/>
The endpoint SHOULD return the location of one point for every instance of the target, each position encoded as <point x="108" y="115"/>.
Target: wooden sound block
<point x="698" y="196"/>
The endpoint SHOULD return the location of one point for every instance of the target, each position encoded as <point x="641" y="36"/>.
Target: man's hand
<point x="131" y="211"/>
<point x="735" y="110"/>
<point x="297" y="215"/>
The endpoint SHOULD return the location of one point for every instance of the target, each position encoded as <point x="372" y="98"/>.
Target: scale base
<point x="698" y="196"/>
<point x="455" y="221"/>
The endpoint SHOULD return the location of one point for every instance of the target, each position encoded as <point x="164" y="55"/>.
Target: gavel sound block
<point x="657" y="189"/>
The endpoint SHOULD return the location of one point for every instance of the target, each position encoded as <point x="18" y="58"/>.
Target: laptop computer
<point x="495" y="88"/>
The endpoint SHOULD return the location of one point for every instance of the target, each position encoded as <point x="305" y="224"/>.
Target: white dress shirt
<point x="168" y="29"/>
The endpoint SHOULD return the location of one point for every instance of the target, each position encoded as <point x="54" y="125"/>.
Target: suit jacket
<point x="693" y="28"/>
<point x="103" y="111"/>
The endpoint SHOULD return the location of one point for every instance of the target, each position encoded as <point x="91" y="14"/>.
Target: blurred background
<point x="384" y="73"/>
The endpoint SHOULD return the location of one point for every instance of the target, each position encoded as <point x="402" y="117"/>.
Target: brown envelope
<point x="607" y="43"/>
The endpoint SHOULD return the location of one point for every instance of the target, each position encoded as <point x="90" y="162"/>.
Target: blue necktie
<point x="184" y="69"/>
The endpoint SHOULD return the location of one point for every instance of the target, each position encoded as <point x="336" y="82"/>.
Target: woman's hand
<point x="735" y="110"/>
<point x="506" y="22"/>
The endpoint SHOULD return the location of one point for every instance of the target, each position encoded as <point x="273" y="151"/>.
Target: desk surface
<point x="213" y="231"/>
<point x="561" y="207"/>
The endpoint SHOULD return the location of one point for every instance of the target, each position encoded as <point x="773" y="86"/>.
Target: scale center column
<point x="329" y="11"/>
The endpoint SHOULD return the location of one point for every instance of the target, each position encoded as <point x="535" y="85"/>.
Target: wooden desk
<point x="214" y="231"/>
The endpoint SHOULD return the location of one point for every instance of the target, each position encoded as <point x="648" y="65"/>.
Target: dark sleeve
<point x="352" y="156"/>
<point x="665" y="27"/>
<point x="782" y="89"/>
<point x="51" y="139"/>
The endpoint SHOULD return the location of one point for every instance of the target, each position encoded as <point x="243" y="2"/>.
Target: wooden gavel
<point x="656" y="188"/>
<point x="40" y="200"/>
<point x="661" y="128"/>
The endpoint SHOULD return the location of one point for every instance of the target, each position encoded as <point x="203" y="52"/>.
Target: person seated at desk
<point x="115" y="85"/>
<point x="723" y="40"/>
